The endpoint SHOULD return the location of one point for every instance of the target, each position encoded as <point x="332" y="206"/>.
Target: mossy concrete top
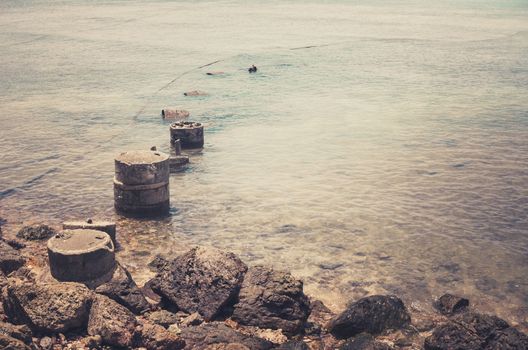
<point x="75" y="242"/>
<point x="141" y="157"/>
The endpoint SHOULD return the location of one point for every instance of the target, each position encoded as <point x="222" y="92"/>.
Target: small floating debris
<point x="215" y="73"/>
<point x="195" y="93"/>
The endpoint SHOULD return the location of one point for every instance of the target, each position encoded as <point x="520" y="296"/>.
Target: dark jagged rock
<point x="483" y="325"/>
<point x="124" y="290"/>
<point x="472" y="330"/>
<point x="158" y="263"/>
<point x="272" y="299"/>
<point x="363" y="341"/>
<point x="15" y="244"/>
<point x="293" y="345"/>
<point x="449" y="304"/>
<point x="8" y="343"/>
<point x="48" y="307"/>
<point x="34" y="233"/>
<point x="507" y="339"/>
<point x="155" y="337"/>
<point x="163" y="318"/>
<point x="10" y="258"/>
<point x="372" y="314"/>
<point x="193" y="319"/>
<point x="453" y="336"/>
<point x="202" y="280"/>
<point x="20" y="332"/>
<point x="112" y="321"/>
<point x="208" y="335"/>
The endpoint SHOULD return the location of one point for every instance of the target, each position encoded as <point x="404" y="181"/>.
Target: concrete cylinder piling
<point x="80" y="255"/>
<point x="141" y="183"/>
<point x="105" y="226"/>
<point x="190" y="134"/>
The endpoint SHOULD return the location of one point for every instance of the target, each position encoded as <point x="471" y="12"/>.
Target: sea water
<point x="382" y="146"/>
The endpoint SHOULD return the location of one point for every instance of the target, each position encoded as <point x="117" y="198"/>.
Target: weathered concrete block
<point x="190" y="134"/>
<point x="80" y="255"/>
<point x="141" y="183"/>
<point x="105" y="226"/>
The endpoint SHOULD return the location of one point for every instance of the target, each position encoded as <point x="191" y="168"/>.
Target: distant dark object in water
<point x="252" y="69"/>
<point x="215" y="73"/>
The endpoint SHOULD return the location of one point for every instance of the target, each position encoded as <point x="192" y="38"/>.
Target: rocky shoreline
<point x="210" y="299"/>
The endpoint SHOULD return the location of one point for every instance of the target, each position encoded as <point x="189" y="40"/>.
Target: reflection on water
<point x="380" y="148"/>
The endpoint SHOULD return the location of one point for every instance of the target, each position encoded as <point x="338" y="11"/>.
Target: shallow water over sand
<point x="380" y="148"/>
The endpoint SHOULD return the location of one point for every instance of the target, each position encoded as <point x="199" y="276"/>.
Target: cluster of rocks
<point x="209" y="299"/>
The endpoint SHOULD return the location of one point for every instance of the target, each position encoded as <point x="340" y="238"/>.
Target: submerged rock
<point x="363" y="341"/>
<point x="483" y="325"/>
<point x="124" y="290"/>
<point x="272" y="299"/>
<point x="37" y="232"/>
<point x="48" y="307"/>
<point x="10" y="258"/>
<point x="218" y="335"/>
<point x="112" y="321"/>
<point x="372" y="314"/>
<point x="202" y="280"/>
<point x="507" y="339"/>
<point x="449" y="304"/>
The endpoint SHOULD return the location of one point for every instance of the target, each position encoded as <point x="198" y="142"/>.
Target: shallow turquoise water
<point x="384" y="140"/>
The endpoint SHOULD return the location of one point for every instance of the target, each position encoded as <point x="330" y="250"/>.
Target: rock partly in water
<point x="10" y="258"/>
<point x="373" y="314"/>
<point x="272" y="299"/>
<point x="472" y="330"/>
<point x="48" y="307"/>
<point x="507" y="339"/>
<point x="155" y="337"/>
<point x="449" y="304"/>
<point x="37" y="232"/>
<point x="209" y="335"/>
<point x="453" y="336"/>
<point x="363" y="341"/>
<point x="124" y="290"/>
<point x="202" y="280"/>
<point x="112" y="321"/>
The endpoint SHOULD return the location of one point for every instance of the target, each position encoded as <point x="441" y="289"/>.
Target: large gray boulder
<point x="217" y="335"/>
<point x="372" y="314"/>
<point x="10" y="258"/>
<point x="202" y="280"/>
<point x="48" y="307"/>
<point x="123" y="289"/>
<point x="272" y="299"/>
<point x="112" y="321"/>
